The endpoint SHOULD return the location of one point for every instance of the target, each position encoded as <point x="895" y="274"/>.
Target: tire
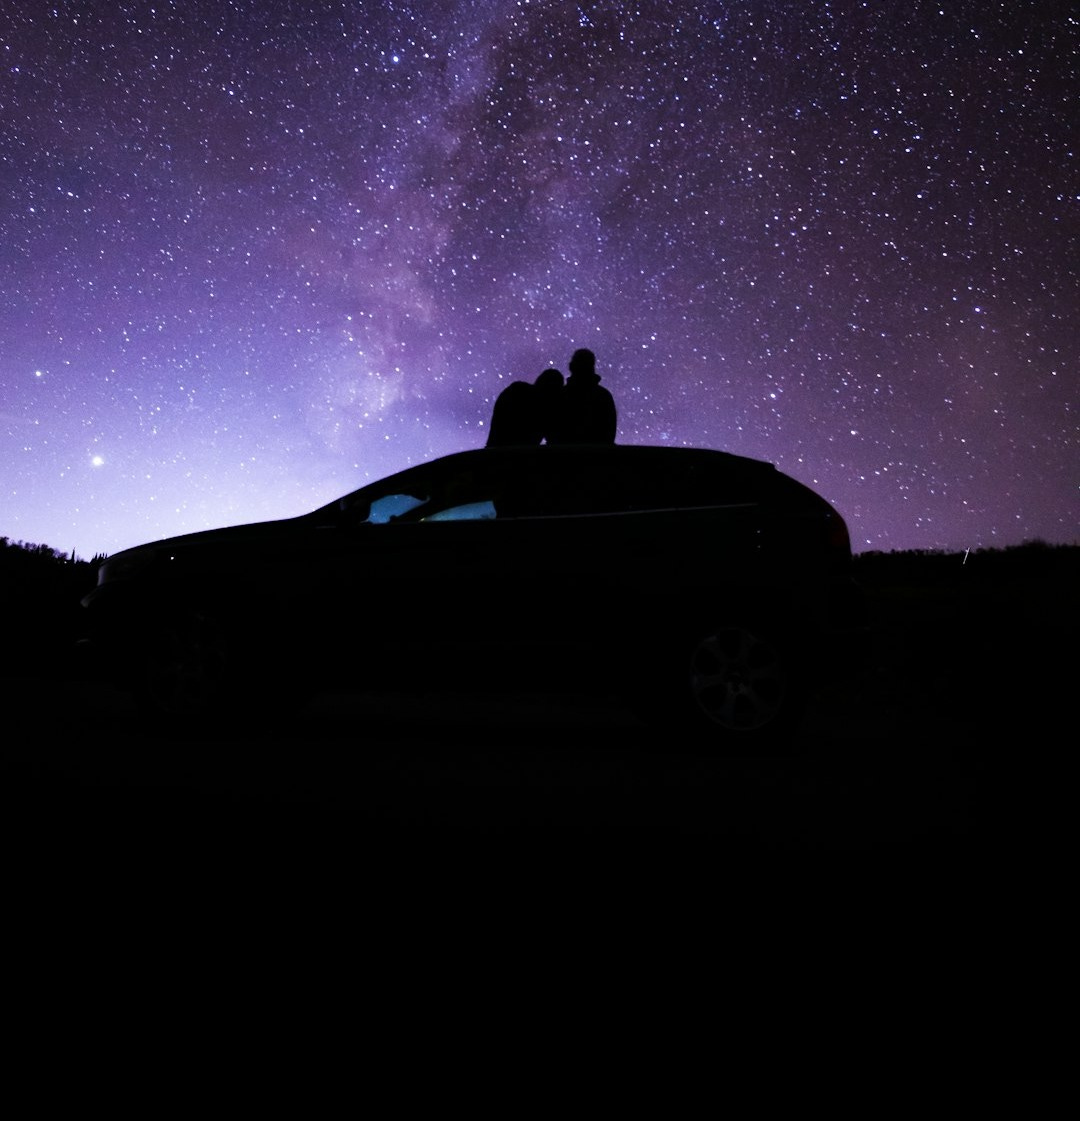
<point x="184" y="667"/>
<point x="197" y="669"/>
<point x="735" y="688"/>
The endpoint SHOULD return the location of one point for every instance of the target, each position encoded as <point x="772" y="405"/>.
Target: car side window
<point x="463" y="496"/>
<point x="466" y="512"/>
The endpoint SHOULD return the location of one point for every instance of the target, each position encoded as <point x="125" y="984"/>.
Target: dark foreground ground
<point x="965" y="670"/>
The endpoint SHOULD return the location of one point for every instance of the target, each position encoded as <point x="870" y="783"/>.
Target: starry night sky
<point x="254" y="254"/>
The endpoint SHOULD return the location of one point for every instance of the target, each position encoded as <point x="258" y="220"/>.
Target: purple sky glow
<point x="255" y="254"/>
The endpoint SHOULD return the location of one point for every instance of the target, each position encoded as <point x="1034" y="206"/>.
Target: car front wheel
<point x="183" y="666"/>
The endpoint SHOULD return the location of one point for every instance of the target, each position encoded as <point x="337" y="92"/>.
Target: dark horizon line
<point x="1031" y="544"/>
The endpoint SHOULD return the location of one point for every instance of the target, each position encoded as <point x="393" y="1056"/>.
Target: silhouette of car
<point x="709" y="589"/>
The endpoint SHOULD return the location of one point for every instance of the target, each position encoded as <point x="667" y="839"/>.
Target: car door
<point x="424" y="576"/>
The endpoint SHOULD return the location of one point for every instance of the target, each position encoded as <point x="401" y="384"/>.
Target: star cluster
<point x="254" y="254"/>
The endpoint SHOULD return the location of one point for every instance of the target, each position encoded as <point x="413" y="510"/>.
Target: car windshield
<point x="392" y="506"/>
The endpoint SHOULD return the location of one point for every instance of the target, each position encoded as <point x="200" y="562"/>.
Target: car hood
<point x="209" y="542"/>
<point x="251" y="532"/>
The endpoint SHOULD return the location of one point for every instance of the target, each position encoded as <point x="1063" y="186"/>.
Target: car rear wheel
<point x="733" y="688"/>
<point x="739" y="679"/>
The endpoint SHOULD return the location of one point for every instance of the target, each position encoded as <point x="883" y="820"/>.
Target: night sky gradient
<point x="256" y="254"/>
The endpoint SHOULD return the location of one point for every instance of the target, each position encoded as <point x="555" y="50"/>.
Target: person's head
<point x="582" y="362"/>
<point x="549" y="380"/>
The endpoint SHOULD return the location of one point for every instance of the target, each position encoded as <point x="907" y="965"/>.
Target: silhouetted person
<point x="586" y="413"/>
<point x="524" y="411"/>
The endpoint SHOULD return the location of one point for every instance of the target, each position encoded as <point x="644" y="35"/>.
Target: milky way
<point x="256" y="254"/>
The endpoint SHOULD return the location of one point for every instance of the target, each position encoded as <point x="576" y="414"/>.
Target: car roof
<point x="576" y="457"/>
<point x="676" y="471"/>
